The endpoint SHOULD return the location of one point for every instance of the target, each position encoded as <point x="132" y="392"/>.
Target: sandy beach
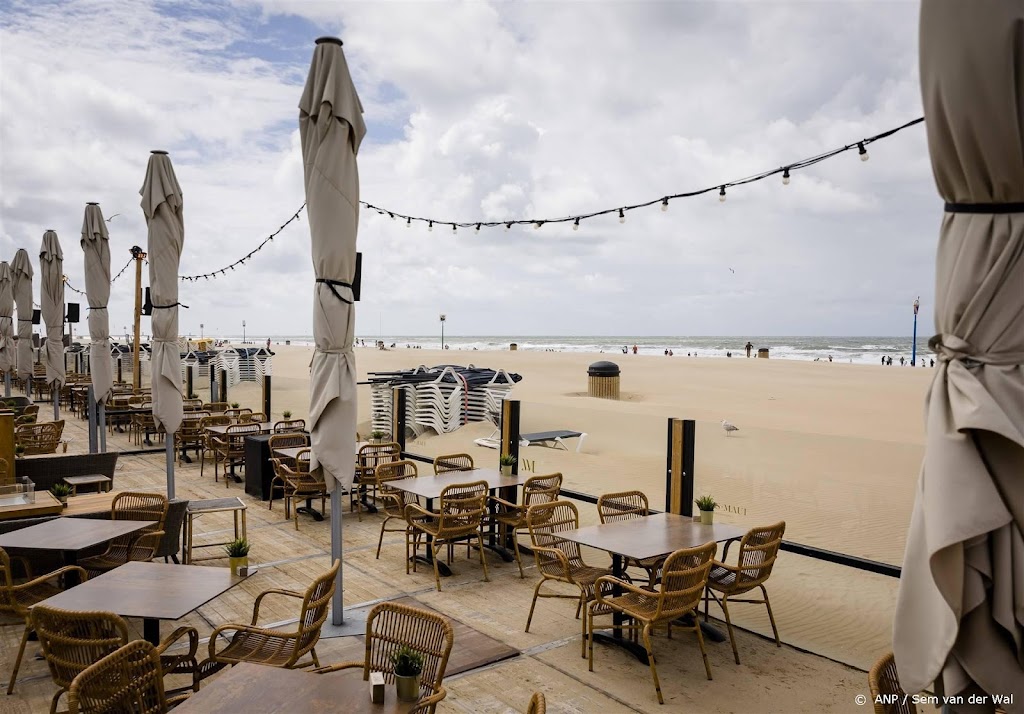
<point x="833" y="449"/>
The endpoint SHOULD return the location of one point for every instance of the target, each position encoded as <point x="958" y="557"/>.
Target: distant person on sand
<point x="902" y="362"/>
<point x="748" y="347"/>
<point x="634" y="349"/>
<point x="932" y="363"/>
<point x="830" y="358"/>
<point x="670" y="353"/>
<point x="883" y="360"/>
<point x="268" y="343"/>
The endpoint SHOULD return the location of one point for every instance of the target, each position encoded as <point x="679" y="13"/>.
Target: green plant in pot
<point x="507" y="461"/>
<point x="286" y="414"/>
<point x="707" y="507"/>
<point x="408" y="665"/>
<point x="234" y="405"/>
<point x="238" y="554"/>
<point x="61" y="491"/>
<point x="19" y="451"/>
<point x="378" y="437"/>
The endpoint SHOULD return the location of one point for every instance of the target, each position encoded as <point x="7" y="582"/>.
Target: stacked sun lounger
<point x="441" y="398"/>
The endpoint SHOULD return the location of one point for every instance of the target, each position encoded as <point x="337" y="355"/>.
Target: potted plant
<point x="61" y="491"/>
<point x="19" y="451"/>
<point x="707" y="507"/>
<point x="286" y="414"/>
<point x="238" y="554"/>
<point x="507" y="461"/>
<point x="234" y="405"/>
<point x="408" y="664"/>
<point x="378" y="437"/>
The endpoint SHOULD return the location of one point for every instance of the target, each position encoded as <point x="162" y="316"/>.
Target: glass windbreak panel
<point x="851" y="494"/>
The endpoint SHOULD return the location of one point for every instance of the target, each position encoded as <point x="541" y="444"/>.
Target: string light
<point x="430" y="226"/>
<point x="121" y="271"/>
<point x="622" y="216"/>
<point x="408" y="223"/>
<point x="536" y="225"/>
<point x="664" y="204"/>
<point x="785" y="177"/>
<point x="862" y="151"/>
<point x="721" y="194"/>
<point x="576" y="224"/>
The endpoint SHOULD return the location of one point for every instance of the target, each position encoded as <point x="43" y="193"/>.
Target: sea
<point x="858" y="350"/>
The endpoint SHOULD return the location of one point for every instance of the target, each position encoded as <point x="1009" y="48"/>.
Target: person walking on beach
<point x="634" y="349"/>
<point x="749" y="346"/>
<point x="883" y="360"/>
<point x="902" y="362"/>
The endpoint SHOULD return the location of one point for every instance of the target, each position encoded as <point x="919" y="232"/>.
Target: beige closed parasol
<point x="331" y="128"/>
<point x="51" y="300"/>
<point x="959" y="618"/>
<point x="7" y="356"/>
<point x="162" y="205"/>
<point x="21" y="269"/>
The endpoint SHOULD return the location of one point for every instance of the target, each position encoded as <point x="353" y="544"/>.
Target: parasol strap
<point x="332" y="283"/>
<point x="166" y="307"/>
<point x="951" y="347"/>
<point x="985" y="208"/>
<point x="96" y="308"/>
<point x="24" y="319"/>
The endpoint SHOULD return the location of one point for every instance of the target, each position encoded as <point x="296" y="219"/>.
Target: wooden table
<point x="45" y="504"/>
<point x="90" y="503"/>
<point x="654" y="536"/>
<point x="102" y="482"/>
<point x="152" y="591"/>
<point x="69" y="536"/>
<point x="234" y="504"/>
<point x="257" y="689"/>
<point x="430" y="487"/>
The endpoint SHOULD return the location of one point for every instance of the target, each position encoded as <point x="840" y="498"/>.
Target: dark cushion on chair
<point x="171" y="543"/>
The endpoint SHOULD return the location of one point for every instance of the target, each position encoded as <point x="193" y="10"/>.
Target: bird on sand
<point x="729" y="427"/>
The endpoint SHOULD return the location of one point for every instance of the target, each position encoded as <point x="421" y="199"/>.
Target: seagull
<point x="732" y="271"/>
<point x="729" y="428"/>
<point x="113" y="217"/>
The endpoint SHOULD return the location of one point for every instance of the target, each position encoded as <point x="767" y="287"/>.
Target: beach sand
<point x="833" y="449"/>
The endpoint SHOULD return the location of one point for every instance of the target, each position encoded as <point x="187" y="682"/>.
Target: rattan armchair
<point x="129" y="679"/>
<point x="208" y="438"/>
<point x="453" y="462"/>
<point x="231" y="448"/>
<point x="459" y="517"/>
<point x="684" y="576"/>
<point x="191" y="434"/>
<point x="73" y="641"/>
<point x="275" y="647"/>
<point x="40" y="438"/>
<point x="885" y="680"/>
<point x="367" y="459"/>
<point x="140" y="545"/>
<point x="538" y="704"/>
<point x="624" y="506"/>
<point x="192" y="405"/>
<point x="390" y="626"/>
<point x="392" y="500"/>
<point x="299" y="483"/>
<point x="16" y="600"/>
<point x="284" y="440"/>
<point x="216" y="407"/>
<point x="511" y="518"/>
<point x="559" y="560"/>
<point x="288" y="425"/>
<point x="758" y="550"/>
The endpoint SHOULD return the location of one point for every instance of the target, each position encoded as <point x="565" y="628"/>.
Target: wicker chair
<point x="300" y="483"/>
<point x="512" y="517"/>
<point x="237" y="414"/>
<point x="453" y="462"/>
<point x="129" y="679"/>
<point x="624" y="506"/>
<point x="288" y="425"/>
<point x="390" y="626"/>
<point x="73" y="641"/>
<point x="275" y="647"/>
<point x="252" y="417"/>
<point x="885" y="680"/>
<point x="392" y="500"/>
<point x="367" y="458"/>
<point x="459" y="517"/>
<point x="538" y="704"/>
<point x="684" y="576"/>
<point x="559" y="560"/>
<point x="285" y="440"/>
<point x="16" y="600"/>
<point x="191" y="434"/>
<point x="40" y="438"/>
<point x="192" y="405"/>
<point x="140" y="545"/>
<point x="758" y="550"/>
<point x="231" y="448"/>
<point x="216" y="407"/>
<point x="208" y="439"/>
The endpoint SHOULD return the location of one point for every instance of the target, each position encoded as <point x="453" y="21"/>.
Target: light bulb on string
<point x="622" y="216"/>
<point x="664" y="204"/>
<point x="454" y="228"/>
<point x="508" y="227"/>
<point x="576" y="224"/>
<point x="477" y="227"/>
<point x="408" y="223"/>
<point x="430" y="226"/>
<point x="862" y="151"/>
<point x="785" y="177"/>
<point x="721" y="194"/>
<point x="536" y="225"/>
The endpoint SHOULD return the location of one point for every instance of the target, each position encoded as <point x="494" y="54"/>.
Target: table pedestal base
<point x="634" y="648"/>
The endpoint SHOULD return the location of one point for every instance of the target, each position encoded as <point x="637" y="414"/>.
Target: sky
<point x="484" y="110"/>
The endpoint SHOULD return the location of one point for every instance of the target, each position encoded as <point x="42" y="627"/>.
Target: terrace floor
<point x="770" y="679"/>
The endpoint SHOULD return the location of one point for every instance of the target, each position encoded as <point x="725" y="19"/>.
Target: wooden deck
<point x="493" y="614"/>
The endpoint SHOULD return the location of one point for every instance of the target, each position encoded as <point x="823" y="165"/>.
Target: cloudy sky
<point x="484" y="110"/>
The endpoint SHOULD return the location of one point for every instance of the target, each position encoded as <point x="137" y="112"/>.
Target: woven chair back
<point x="622" y="506"/>
<point x="462" y="507"/>
<point x="129" y="679"/>
<point x="314" y="611"/>
<point x="391" y="626"/>
<point x="395" y="504"/>
<point x="40" y="438"/>
<point x="287" y="441"/>
<point x="253" y="417"/>
<point x="72" y="641"/>
<point x="8" y="603"/>
<point x="683" y="577"/>
<point x="235" y="437"/>
<point x="137" y="506"/>
<point x="453" y="462"/>
<point x="538" y="705"/>
<point x="216" y="407"/>
<point x="758" y="551"/>
<point x="236" y="413"/>
<point x="546" y="521"/>
<point x="213" y="419"/>
<point x="370" y="455"/>
<point x="884" y="679"/>
<point x="286" y="425"/>
<point x="541" y="489"/>
<point x="192" y="405"/>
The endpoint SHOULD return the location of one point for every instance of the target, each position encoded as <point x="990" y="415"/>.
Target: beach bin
<point x="603" y="380"/>
<point x="762" y="352"/>
<point x="513" y="347"/>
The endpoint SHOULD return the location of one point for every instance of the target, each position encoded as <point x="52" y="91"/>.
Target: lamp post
<point x="443" y="318"/>
<point x="200" y="330"/>
<point x="913" y="346"/>
<point x="243" y="332"/>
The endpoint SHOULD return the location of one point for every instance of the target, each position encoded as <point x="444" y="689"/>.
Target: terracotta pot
<point x="707" y="517"/>
<point x="236" y="563"/>
<point x="408" y="688"/>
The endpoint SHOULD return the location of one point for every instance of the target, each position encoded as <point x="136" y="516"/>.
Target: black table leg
<point x="616" y="638"/>
<point x="501" y="546"/>
<point x="71" y="579"/>
<point x="310" y="511"/>
<point x="151" y="630"/>
<point x="428" y="558"/>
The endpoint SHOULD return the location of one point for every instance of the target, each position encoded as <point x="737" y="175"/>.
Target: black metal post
<point x="188" y="382"/>
<point x="679" y="466"/>
<point x="223" y="385"/>
<point x="398" y="406"/>
<point x="689" y="439"/>
<point x="510" y="409"/>
<point x="266" y="395"/>
<point x="213" y="383"/>
<point x="119" y="377"/>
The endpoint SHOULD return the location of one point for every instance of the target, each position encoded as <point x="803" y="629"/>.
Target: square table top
<point x="212" y="505"/>
<point x="149" y="590"/>
<point x="652" y="536"/>
<point x="428" y="486"/>
<point x="86" y="480"/>
<point x="90" y="503"/>
<point x="222" y="429"/>
<point x="257" y="689"/>
<point x="290" y="452"/>
<point x="72" y="534"/>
